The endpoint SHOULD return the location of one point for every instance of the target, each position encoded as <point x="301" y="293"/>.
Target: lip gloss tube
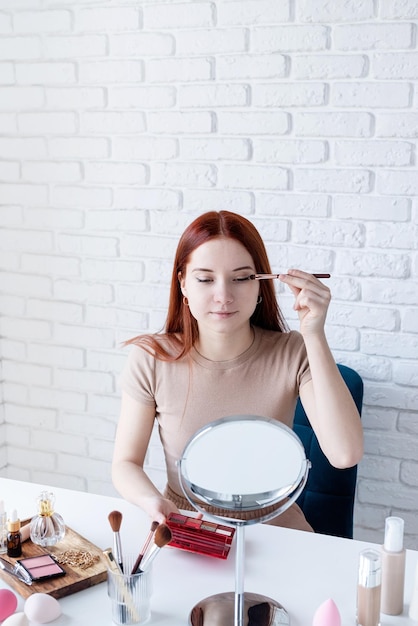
<point x="369" y="588"/>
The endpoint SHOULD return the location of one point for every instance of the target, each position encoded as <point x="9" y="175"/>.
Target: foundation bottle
<point x="393" y="567"/>
<point x="413" y="605"/>
<point x="14" y="538"/>
<point x="369" y="588"/>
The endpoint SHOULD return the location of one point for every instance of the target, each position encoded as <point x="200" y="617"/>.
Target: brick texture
<point x="120" y="122"/>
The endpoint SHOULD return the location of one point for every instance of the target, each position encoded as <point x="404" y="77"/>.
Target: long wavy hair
<point x="180" y="325"/>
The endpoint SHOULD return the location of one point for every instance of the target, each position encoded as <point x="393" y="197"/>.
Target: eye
<point x="241" y="279"/>
<point x="203" y="280"/>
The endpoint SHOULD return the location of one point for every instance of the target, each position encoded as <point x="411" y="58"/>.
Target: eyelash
<point x="235" y="280"/>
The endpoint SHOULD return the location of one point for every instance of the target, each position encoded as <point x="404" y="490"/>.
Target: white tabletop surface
<point x="300" y="570"/>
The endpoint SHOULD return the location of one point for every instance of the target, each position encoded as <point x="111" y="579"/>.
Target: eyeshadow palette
<point x="200" y="536"/>
<point x="42" y="567"/>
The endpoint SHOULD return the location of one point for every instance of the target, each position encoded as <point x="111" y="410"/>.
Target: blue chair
<point x="328" y="498"/>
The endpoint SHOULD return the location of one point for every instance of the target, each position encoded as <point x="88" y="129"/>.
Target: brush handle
<point x="145" y="547"/>
<point x="148" y="557"/>
<point x="117" y="546"/>
<point x="269" y="276"/>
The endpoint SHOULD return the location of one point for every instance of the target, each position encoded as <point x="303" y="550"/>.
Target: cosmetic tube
<point x="393" y="567"/>
<point x="3" y="529"/>
<point x="369" y="588"/>
<point x="413" y="605"/>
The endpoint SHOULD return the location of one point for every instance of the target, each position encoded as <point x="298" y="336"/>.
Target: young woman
<point x="226" y="350"/>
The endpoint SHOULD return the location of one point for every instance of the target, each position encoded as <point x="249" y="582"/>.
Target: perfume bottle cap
<point x="394" y="527"/>
<point x="370" y="568"/>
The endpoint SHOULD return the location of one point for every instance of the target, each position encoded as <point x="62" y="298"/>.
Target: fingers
<point x="299" y="279"/>
<point x="311" y="295"/>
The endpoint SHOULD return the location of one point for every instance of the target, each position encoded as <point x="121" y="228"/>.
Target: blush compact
<point x="199" y="535"/>
<point x="42" y="567"/>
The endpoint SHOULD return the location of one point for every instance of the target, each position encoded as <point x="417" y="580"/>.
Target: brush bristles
<point x="162" y="535"/>
<point x="115" y="520"/>
<point x="154" y="527"/>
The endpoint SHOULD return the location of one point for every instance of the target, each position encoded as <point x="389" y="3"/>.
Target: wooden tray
<point x="75" y="579"/>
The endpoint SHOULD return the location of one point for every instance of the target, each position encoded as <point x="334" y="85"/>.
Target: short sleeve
<point x="137" y="378"/>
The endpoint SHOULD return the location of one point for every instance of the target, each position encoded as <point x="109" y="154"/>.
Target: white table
<point x="300" y="570"/>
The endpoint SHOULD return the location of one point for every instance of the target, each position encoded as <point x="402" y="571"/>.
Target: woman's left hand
<point x="312" y="299"/>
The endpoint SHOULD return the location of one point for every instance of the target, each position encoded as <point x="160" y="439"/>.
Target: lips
<point x="224" y="314"/>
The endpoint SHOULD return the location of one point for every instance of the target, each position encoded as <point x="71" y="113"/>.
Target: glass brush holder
<point x="47" y="527"/>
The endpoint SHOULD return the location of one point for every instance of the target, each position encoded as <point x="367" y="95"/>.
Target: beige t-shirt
<point x="190" y="393"/>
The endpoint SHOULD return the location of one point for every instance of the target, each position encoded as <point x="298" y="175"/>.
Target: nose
<point x="222" y="293"/>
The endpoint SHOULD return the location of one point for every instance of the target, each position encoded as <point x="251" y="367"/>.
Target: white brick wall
<point x="122" y="120"/>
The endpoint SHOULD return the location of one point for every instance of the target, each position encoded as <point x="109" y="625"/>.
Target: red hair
<point x="180" y="324"/>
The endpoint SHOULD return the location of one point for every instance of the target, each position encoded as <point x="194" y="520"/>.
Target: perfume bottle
<point x="47" y="527"/>
<point x="393" y="567"/>
<point x="369" y="588"/>
<point x="14" y="538"/>
<point x="3" y="529"/>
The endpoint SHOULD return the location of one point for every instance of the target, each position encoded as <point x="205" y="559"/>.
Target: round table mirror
<point x="250" y="469"/>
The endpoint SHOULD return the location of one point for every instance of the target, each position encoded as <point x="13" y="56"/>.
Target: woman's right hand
<point x="158" y="508"/>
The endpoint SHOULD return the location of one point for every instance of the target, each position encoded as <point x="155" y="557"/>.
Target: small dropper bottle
<point x="393" y="567"/>
<point x="14" y="538"/>
<point x="369" y="588"/>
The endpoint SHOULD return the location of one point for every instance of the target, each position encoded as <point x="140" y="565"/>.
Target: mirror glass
<point x="243" y="462"/>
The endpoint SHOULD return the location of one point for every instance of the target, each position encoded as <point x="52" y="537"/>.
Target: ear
<point x="181" y="280"/>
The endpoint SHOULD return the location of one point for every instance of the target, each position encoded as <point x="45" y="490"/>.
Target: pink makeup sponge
<point x="8" y="603"/>
<point x="327" y="614"/>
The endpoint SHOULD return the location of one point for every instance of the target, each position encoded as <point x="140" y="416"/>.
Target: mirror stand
<point x="268" y="484"/>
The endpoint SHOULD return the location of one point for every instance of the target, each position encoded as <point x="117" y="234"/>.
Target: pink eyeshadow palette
<point x="201" y="536"/>
<point x="42" y="567"/>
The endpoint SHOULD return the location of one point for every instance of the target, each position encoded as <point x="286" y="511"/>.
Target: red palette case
<point x="200" y="536"/>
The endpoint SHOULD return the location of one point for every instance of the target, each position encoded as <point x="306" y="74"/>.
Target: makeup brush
<point x="162" y="537"/>
<point x="266" y="276"/>
<point x="115" y="520"/>
<point x="153" y="528"/>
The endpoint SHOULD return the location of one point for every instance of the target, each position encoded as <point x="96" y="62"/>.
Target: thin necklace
<point x="235" y="357"/>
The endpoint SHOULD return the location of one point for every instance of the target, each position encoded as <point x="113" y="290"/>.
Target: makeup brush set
<point x="158" y="537"/>
<point x="129" y="582"/>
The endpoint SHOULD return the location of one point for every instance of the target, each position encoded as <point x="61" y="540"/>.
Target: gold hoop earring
<point x="259" y="299"/>
<point x="185" y="301"/>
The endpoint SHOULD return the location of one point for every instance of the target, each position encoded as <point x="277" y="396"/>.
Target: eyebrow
<point x="237" y="269"/>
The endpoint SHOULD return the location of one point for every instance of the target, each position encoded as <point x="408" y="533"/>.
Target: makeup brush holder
<point x="243" y="463"/>
<point x="47" y="527"/>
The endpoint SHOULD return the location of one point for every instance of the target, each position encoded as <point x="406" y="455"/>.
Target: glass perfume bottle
<point x="47" y="527"/>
